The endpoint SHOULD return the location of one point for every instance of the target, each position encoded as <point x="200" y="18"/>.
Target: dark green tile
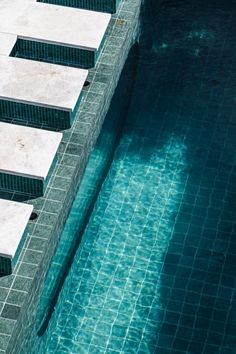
<point x="10" y="312"/>
<point x="6" y="326"/>
<point x="4" y="340"/>
<point x="37" y="244"/>
<point x="21" y="283"/>
<point x="32" y="257"/>
<point x="3" y="293"/>
<point x="16" y="298"/>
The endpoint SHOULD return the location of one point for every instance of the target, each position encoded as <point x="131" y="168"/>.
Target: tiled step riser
<point x="37" y="116"/>
<point x="20" y="184"/>
<point x="109" y="6"/>
<point x="55" y="54"/>
<point x="25" y="185"/>
<point x="6" y="264"/>
<point x="14" y="112"/>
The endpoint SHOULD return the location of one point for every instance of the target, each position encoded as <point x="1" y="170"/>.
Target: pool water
<point x="155" y="270"/>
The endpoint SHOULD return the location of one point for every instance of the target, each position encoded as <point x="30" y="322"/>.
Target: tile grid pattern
<point x="21" y="289"/>
<point x="56" y="54"/>
<point x="33" y="115"/>
<point x="37" y="116"/>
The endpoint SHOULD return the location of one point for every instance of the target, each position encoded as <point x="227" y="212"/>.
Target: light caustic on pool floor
<point x="111" y="296"/>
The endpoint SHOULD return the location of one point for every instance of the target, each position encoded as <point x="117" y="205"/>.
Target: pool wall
<point x="26" y="283"/>
<point x="56" y="54"/>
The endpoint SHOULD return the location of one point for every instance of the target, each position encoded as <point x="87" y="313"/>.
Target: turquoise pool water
<point x="155" y="270"/>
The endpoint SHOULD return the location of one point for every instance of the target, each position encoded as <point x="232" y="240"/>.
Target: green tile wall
<point x="34" y="115"/>
<point x="109" y="6"/>
<point x="37" y="116"/>
<point x="21" y="184"/>
<point x="53" y="53"/>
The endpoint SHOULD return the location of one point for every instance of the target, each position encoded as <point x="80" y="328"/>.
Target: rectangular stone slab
<point x="53" y="24"/>
<point x="39" y="94"/>
<point x="41" y="84"/>
<point x="27" y="156"/>
<point x="13" y="221"/>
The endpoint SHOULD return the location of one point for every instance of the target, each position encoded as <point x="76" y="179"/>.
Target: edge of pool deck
<point x="20" y="292"/>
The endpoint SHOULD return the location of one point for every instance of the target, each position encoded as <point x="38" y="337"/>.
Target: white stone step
<point x="27" y="156"/>
<point x="40" y="84"/>
<point x="53" y="24"/>
<point x="13" y="221"/>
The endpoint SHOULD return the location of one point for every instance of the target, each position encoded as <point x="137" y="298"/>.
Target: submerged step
<point x="13" y="221"/>
<point x="54" y="33"/>
<point x="27" y="158"/>
<point x="109" y="6"/>
<point x="39" y="93"/>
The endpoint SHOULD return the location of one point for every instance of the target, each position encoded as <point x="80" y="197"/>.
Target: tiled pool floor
<point x="155" y="272"/>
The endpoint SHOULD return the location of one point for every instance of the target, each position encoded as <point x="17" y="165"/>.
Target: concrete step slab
<point x="40" y="94"/>
<point x="27" y="158"/>
<point x="54" y="33"/>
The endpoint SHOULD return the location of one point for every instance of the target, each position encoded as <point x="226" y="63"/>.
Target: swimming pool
<point x="155" y="271"/>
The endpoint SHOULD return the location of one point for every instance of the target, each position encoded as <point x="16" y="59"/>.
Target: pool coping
<point x="19" y="292"/>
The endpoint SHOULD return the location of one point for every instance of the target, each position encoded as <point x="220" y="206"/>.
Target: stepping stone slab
<point x="42" y="94"/>
<point x="27" y="157"/>
<point x="13" y="221"/>
<point x="54" y="33"/>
